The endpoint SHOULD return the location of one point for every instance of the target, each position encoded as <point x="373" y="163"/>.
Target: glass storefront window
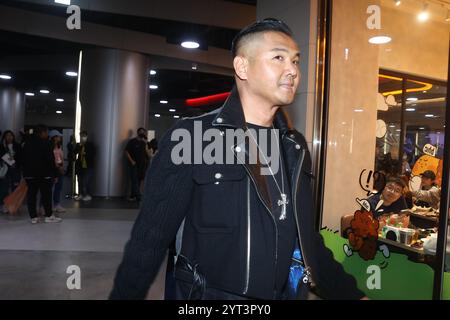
<point x="387" y="89"/>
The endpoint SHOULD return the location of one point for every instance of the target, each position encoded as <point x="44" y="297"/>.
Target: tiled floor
<point x="34" y="258"/>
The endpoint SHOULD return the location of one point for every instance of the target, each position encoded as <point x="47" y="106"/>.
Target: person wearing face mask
<point x="39" y="172"/>
<point x="137" y="154"/>
<point x="84" y="166"/>
<point x="56" y="139"/>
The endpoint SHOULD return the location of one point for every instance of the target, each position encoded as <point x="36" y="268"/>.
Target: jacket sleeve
<point x="432" y="196"/>
<point x="167" y="197"/>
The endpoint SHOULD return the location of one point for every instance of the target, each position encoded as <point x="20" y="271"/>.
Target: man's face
<point x="392" y="192"/>
<point x="427" y="182"/>
<point x="141" y="133"/>
<point x="273" y="68"/>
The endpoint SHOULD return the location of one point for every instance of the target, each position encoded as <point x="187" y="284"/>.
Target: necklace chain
<point x="283" y="202"/>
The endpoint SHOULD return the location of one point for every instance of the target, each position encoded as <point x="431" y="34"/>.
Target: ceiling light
<point x="152" y="72"/>
<point x="44" y="91"/>
<point x="58" y="111"/>
<point x="397" y="2"/>
<point x="429" y="116"/>
<point x="176" y="117"/>
<point x="424" y="14"/>
<point x="60" y="100"/>
<point x="5" y="77"/>
<point x="71" y="74"/>
<point x="164" y="102"/>
<point x="30" y="94"/>
<point x="392" y="126"/>
<point x="380" y="40"/>
<point x="421" y="128"/>
<point x="190" y="44"/>
<point x="398" y="130"/>
<point x="359" y="110"/>
<point x="157" y="115"/>
<point x="153" y="86"/>
<point x="412" y="99"/>
<point x="172" y="110"/>
<point x="410" y="109"/>
<point x="194" y="66"/>
<point x="66" y="2"/>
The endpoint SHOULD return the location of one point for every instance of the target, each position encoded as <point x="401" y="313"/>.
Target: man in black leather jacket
<point x="242" y="222"/>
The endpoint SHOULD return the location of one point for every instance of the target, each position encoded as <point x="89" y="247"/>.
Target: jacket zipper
<point x="271" y="215"/>
<point x="247" y="277"/>
<point x="307" y="269"/>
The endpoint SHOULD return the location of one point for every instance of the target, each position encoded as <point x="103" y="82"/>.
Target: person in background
<point x="429" y="194"/>
<point x="390" y="200"/>
<point x="39" y="172"/>
<point x="70" y="155"/>
<point x="84" y="166"/>
<point x="11" y="150"/>
<point x="138" y="154"/>
<point x="56" y="139"/>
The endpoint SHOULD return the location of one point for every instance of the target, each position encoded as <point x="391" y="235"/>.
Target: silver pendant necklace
<point x="283" y="202"/>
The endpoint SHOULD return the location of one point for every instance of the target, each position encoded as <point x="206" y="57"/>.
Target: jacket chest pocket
<point x="218" y="197"/>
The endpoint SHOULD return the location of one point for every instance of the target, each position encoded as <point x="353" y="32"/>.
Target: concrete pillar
<point x="114" y="100"/>
<point x="12" y="110"/>
<point x="301" y="17"/>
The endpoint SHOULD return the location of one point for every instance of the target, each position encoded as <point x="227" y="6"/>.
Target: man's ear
<point x="240" y="65"/>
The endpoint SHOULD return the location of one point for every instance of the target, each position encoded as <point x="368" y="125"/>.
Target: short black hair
<point x="396" y="180"/>
<point x="429" y="174"/>
<point x="141" y="129"/>
<point x="41" y="128"/>
<point x="266" y="25"/>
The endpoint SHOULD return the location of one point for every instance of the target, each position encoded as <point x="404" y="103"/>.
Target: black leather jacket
<point x="213" y="201"/>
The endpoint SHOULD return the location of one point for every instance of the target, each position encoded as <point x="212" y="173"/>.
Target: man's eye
<point x="296" y="62"/>
<point x="279" y="58"/>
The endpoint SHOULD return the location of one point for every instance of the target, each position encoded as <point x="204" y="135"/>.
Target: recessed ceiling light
<point x="397" y="2"/>
<point x="30" y="94"/>
<point x="176" y="117"/>
<point x="429" y="116"/>
<point x="164" y="102"/>
<point x="424" y="14"/>
<point x="153" y="86"/>
<point x="152" y="72"/>
<point x="5" y="77"/>
<point x="58" y="111"/>
<point x="398" y="130"/>
<point x="190" y="44"/>
<point x="410" y="109"/>
<point x="380" y="40"/>
<point x="44" y="91"/>
<point x="412" y="99"/>
<point x="66" y="2"/>
<point x="157" y="115"/>
<point x="71" y="74"/>
<point x="194" y="66"/>
<point x="421" y="128"/>
<point x="359" y="110"/>
<point x="392" y="126"/>
<point x="172" y="110"/>
<point x="60" y="100"/>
